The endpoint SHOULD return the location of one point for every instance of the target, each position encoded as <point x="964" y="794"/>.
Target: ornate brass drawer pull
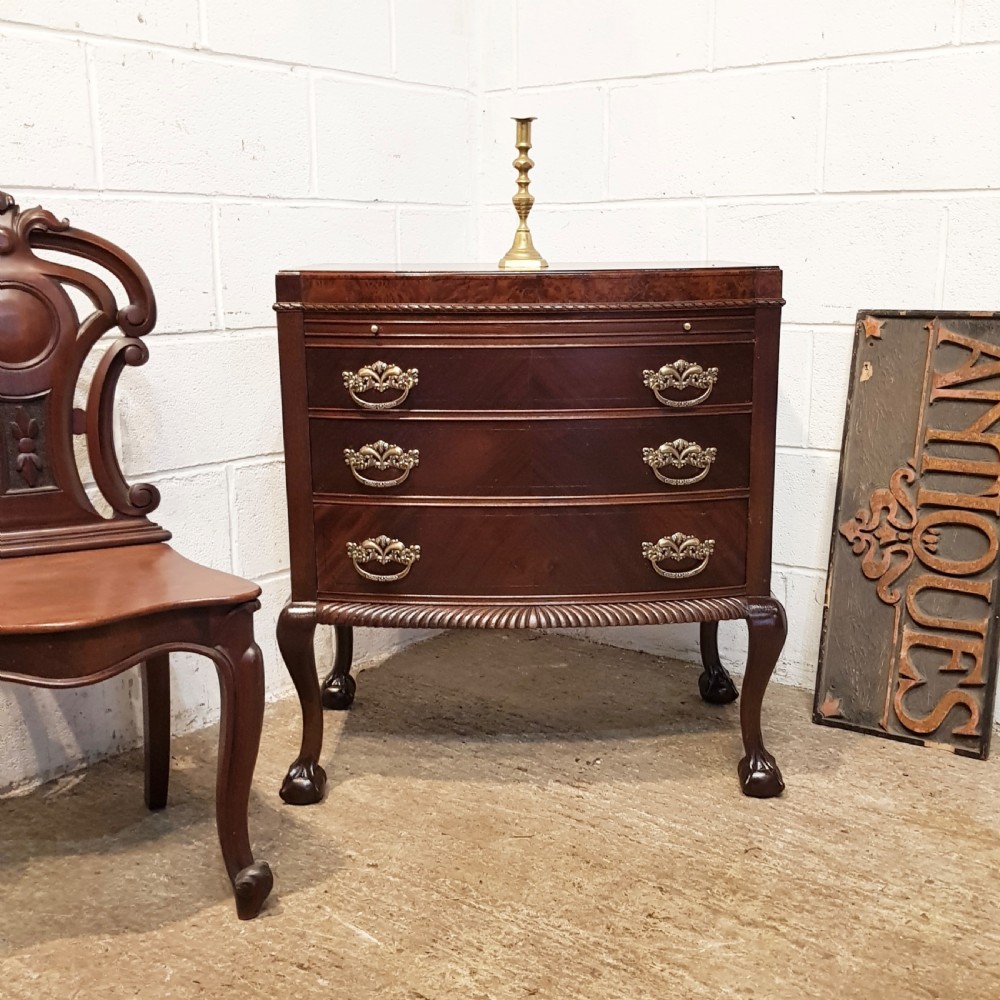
<point x="383" y="550"/>
<point x="678" y="547"/>
<point x="681" y="375"/>
<point x="382" y="456"/>
<point x="678" y="453"/>
<point x="381" y="377"/>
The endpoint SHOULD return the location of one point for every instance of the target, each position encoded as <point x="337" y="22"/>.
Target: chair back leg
<point x="156" y="726"/>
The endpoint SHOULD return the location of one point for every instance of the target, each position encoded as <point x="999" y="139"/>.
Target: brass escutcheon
<point x="383" y="550"/>
<point x="679" y="453"/>
<point x="678" y="547"/>
<point x="381" y="377"/>
<point x="382" y="456"/>
<point x="681" y="375"/>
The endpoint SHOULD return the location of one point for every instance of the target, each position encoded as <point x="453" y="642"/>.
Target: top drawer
<point x="677" y="377"/>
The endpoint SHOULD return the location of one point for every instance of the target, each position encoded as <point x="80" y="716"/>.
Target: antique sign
<point x="909" y="641"/>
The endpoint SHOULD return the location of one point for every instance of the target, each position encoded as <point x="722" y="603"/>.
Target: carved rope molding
<point x="534" y="615"/>
<point x="516" y="307"/>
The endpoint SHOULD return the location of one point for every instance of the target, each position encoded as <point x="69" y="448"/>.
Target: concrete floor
<point x="512" y="816"/>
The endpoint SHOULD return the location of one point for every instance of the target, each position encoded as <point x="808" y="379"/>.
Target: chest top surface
<point x="598" y="286"/>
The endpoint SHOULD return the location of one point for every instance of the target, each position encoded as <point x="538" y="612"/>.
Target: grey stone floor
<point x="513" y="816"/>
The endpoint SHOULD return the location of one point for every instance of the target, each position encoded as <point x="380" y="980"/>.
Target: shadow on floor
<point x="518" y="694"/>
<point x="85" y="844"/>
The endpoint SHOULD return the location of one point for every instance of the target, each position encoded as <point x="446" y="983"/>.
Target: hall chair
<point x="84" y="596"/>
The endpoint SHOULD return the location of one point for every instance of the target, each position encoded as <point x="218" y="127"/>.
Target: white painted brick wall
<point x="915" y="124"/>
<point x="47" y="111"/>
<point x="562" y="41"/>
<point x="756" y="34"/>
<point x="980" y="21"/>
<point x="216" y="143"/>
<point x="426" y="156"/>
<point x="837" y="254"/>
<point x="260" y="237"/>
<point x="354" y="36"/>
<point x="853" y="144"/>
<point x="760" y="135"/>
<point x="215" y="127"/>
<point x="971" y="273"/>
<point x="573" y="169"/>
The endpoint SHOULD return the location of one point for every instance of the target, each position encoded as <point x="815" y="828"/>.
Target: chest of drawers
<point x="472" y="448"/>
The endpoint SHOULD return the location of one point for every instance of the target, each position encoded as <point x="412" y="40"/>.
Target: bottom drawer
<point x="538" y="551"/>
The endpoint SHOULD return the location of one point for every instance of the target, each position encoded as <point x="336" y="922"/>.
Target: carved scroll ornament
<point x="43" y="348"/>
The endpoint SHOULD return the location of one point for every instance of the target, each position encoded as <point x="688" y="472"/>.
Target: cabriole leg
<point x="156" y="728"/>
<point x="306" y="779"/>
<point x="759" y="774"/>
<point x="715" y="685"/>
<point x="339" y="686"/>
<point x="241" y="680"/>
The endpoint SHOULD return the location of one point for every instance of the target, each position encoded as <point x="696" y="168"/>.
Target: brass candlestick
<point x="522" y="255"/>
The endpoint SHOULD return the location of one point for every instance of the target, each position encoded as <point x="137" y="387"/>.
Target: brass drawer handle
<point x="383" y="550"/>
<point x="382" y="456"/>
<point x="381" y="377"/>
<point x="678" y="453"/>
<point x="678" y="547"/>
<point x="681" y="375"/>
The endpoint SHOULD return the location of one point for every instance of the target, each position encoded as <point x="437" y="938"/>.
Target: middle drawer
<point x="542" y="456"/>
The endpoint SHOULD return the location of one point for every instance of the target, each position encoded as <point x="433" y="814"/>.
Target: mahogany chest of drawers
<point x="474" y="448"/>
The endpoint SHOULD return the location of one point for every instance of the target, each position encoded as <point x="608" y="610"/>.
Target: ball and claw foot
<point x="251" y="887"/>
<point x="338" y="691"/>
<point x="304" y="784"/>
<point x="760" y="777"/>
<point x="717" y="687"/>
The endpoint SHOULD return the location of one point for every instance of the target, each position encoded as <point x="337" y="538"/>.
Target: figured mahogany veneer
<point x="541" y="454"/>
<point x="85" y="595"/>
<point x="480" y="449"/>
<point x="463" y="376"/>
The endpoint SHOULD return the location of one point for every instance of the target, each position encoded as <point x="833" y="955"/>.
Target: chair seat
<point x="77" y="590"/>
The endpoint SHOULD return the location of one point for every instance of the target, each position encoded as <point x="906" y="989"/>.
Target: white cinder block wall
<point x="216" y="141"/>
<point x="854" y="144"/>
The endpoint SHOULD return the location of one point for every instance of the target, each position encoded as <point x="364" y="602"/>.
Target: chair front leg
<point x="241" y="680"/>
<point x="156" y="728"/>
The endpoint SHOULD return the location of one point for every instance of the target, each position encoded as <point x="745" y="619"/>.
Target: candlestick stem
<point x="522" y="255"/>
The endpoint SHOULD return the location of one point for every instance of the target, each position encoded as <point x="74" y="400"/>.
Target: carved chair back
<point x="44" y="344"/>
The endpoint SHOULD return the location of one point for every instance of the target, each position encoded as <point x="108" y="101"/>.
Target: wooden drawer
<point x="536" y="550"/>
<point x="467" y="377"/>
<point x="542" y="456"/>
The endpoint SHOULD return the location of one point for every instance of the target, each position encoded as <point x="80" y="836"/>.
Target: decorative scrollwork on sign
<point x="381" y="456"/>
<point x="681" y="375"/>
<point x="678" y="547"/>
<point x="883" y="536"/>
<point x="678" y="454"/>
<point x="24" y="429"/>
<point x="382" y="550"/>
<point x="381" y="377"/>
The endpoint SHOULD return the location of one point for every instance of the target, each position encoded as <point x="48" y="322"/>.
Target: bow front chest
<point x="585" y="447"/>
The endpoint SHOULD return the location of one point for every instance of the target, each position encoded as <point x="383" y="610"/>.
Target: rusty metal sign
<point x="909" y="641"/>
